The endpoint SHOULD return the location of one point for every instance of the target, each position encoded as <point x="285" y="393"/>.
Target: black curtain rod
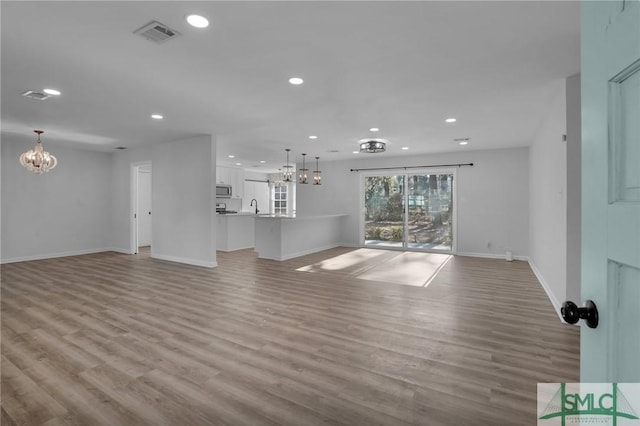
<point x="413" y="167"/>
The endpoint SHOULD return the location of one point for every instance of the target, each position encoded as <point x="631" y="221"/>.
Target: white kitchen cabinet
<point x="236" y="177"/>
<point x="222" y="175"/>
<point x="233" y="176"/>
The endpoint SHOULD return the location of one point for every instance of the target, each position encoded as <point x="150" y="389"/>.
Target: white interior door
<point x="144" y="208"/>
<point x="611" y="189"/>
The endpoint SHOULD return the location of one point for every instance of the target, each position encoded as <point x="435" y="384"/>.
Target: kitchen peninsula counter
<point x="282" y="237"/>
<point x="235" y="231"/>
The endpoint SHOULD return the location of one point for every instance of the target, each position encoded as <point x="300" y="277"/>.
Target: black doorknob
<point x="572" y="314"/>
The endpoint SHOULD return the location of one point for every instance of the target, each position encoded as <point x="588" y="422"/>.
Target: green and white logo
<point x="588" y="403"/>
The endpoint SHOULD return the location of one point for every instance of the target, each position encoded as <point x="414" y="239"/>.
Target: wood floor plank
<point x="112" y="339"/>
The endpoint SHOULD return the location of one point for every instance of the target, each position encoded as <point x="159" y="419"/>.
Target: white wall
<point x="183" y="200"/>
<point x="255" y="175"/>
<point x="548" y="189"/>
<point x="493" y="197"/>
<point x="59" y="213"/>
<point x="183" y="191"/>
<point x="258" y="190"/>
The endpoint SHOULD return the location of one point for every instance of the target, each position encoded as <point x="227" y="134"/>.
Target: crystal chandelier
<point x="317" y="174"/>
<point x="287" y="170"/>
<point x="303" y="178"/>
<point x="37" y="160"/>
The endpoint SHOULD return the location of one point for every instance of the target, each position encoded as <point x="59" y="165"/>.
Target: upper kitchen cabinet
<point x="236" y="177"/>
<point x="231" y="176"/>
<point x="222" y="175"/>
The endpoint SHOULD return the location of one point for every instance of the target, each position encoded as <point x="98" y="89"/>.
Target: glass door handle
<point x="572" y="314"/>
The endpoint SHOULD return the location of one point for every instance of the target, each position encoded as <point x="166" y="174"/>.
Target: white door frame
<point x="133" y="227"/>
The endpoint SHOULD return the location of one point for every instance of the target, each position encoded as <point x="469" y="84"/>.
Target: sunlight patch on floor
<point x="407" y="268"/>
<point x="357" y="259"/>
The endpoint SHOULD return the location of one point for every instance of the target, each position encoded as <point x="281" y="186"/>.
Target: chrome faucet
<point x="257" y="211"/>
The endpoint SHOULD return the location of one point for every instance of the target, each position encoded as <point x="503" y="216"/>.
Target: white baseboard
<point x="234" y="249"/>
<point x="102" y="250"/>
<point x="552" y="298"/>
<point x="186" y="261"/>
<point x="120" y="250"/>
<point x="490" y="255"/>
<point x="61" y="254"/>
<point x="302" y="253"/>
<point x="349" y="245"/>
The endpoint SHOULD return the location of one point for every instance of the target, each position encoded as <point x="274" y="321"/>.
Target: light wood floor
<point x="111" y="339"/>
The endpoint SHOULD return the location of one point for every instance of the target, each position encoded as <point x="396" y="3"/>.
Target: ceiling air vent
<point x="156" y="32"/>
<point x="32" y="94"/>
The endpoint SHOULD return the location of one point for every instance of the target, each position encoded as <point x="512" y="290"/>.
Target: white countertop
<point x="278" y="216"/>
<point x="281" y="216"/>
<point x="244" y="214"/>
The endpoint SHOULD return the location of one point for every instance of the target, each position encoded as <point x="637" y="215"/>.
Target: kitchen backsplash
<point x="232" y="203"/>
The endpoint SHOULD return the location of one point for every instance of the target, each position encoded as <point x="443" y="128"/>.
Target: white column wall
<point x="183" y="200"/>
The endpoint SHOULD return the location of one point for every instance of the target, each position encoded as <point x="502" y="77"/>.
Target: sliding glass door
<point x="430" y="224"/>
<point x="427" y="221"/>
<point x="384" y="203"/>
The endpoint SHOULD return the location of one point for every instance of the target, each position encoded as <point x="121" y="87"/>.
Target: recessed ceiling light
<point x="157" y="117"/>
<point x="313" y="137"/>
<point x="450" y="120"/>
<point x="53" y="92"/>
<point x="262" y="161"/>
<point x="197" y="21"/>
<point x="356" y="152"/>
<point x="238" y="164"/>
<point x="296" y="81"/>
<point x="373" y="129"/>
<point x="404" y="148"/>
<point x="231" y="156"/>
<point x="464" y="142"/>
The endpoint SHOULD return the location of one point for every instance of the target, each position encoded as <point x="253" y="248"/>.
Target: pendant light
<point x="287" y="170"/>
<point x="317" y="174"/>
<point x="278" y="183"/>
<point x="37" y="160"/>
<point x="303" y="178"/>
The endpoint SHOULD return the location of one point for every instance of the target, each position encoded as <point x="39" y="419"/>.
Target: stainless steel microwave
<point x="223" y="191"/>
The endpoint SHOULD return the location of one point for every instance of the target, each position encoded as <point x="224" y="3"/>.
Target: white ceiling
<point x="401" y="66"/>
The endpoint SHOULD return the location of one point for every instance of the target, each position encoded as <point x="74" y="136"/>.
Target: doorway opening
<point x="141" y="204"/>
